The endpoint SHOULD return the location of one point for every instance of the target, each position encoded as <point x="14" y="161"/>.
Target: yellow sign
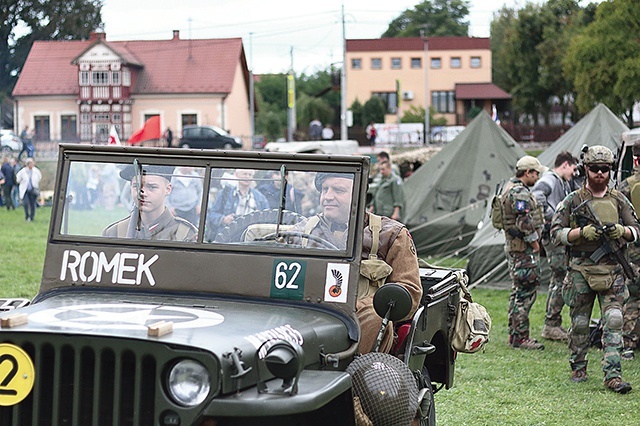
<point x="17" y="374"/>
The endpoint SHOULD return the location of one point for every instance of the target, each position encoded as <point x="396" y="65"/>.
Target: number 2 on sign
<point x="286" y="274"/>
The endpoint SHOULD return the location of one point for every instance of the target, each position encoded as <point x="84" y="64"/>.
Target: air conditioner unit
<point x="407" y="96"/>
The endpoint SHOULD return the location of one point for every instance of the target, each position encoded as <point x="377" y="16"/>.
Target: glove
<point x="590" y="232"/>
<point x="615" y="231"/>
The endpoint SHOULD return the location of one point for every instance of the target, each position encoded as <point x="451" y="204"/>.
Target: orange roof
<point x="480" y="91"/>
<point x="168" y="66"/>
<point x="417" y="43"/>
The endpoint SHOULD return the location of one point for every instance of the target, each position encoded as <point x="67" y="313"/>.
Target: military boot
<point x="580" y="375"/>
<point x="627" y="354"/>
<point x="617" y="385"/>
<point x="554" y="333"/>
<point x="527" y="343"/>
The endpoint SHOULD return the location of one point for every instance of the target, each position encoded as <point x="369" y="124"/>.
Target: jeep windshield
<point x="278" y="205"/>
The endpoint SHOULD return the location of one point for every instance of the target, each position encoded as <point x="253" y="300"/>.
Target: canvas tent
<point x="446" y="197"/>
<point x="599" y="127"/>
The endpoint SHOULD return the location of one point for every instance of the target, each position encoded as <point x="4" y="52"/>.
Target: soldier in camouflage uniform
<point x="578" y="223"/>
<point x="630" y="187"/>
<point x="522" y="224"/>
<point x="155" y="220"/>
<point x="549" y="191"/>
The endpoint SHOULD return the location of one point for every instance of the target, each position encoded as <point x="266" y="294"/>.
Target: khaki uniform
<point x="522" y="224"/>
<point x="583" y="273"/>
<point x="396" y="249"/>
<point x="388" y="195"/>
<point x="167" y="227"/>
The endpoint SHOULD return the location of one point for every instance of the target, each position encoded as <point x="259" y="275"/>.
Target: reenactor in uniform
<point x="150" y="218"/>
<point x="630" y="187"/>
<point x="587" y="220"/>
<point x="549" y="191"/>
<point x="522" y="224"/>
<point x="388" y="199"/>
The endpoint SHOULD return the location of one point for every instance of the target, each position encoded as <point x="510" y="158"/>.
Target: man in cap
<point x="549" y="191"/>
<point x="395" y="249"/>
<point x="150" y="218"/>
<point x="522" y="224"/>
<point x="388" y="198"/>
<point x="630" y="187"/>
<point x="582" y="220"/>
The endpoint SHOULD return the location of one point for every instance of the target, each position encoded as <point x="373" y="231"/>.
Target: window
<point x="376" y="63"/>
<point x="436" y="63"/>
<point x="188" y="119"/>
<point x="476" y="62"/>
<point x="396" y="63"/>
<point x="390" y="100"/>
<point x="443" y="101"/>
<point x="84" y="78"/>
<point x="356" y="63"/>
<point x="455" y="62"/>
<point x="100" y="78"/>
<point x="115" y="78"/>
<point x="68" y="128"/>
<point x="416" y="63"/>
<point x="126" y="78"/>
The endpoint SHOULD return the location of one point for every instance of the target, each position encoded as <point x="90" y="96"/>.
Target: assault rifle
<point x="607" y="246"/>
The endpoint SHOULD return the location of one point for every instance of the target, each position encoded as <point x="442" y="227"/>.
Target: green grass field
<point x="501" y="386"/>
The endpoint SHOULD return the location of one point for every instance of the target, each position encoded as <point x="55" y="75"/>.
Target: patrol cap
<point x="321" y="177"/>
<point x="150" y="169"/>
<point x="530" y="163"/>
<point x="598" y="154"/>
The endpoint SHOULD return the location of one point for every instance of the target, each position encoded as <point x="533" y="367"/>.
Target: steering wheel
<point x="234" y="231"/>
<point x="300" y="234"/>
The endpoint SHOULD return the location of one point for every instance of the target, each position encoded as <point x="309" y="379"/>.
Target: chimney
<point x="176" y="35"/>
<point x="97" y="35"/>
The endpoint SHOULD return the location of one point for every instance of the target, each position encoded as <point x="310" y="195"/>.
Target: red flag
<point x="150" y="130"/>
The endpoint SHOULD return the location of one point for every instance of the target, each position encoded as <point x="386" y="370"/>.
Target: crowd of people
<point x="543" y="213"/>
<point x="20" y="183"/>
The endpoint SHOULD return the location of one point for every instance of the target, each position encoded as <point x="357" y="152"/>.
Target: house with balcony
<point x="450" y="74"/>
<point x="75" y="91"/>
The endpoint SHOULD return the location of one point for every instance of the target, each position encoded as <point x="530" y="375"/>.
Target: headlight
<point x="189" y="383"/>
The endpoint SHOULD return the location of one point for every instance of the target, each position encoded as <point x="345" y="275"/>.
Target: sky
<point x="277" y="34"/>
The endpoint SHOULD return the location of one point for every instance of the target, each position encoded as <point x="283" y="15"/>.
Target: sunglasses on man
<point x="602" y="168"/>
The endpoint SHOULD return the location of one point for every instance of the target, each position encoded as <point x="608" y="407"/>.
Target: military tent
<point x="446" y="197"/>
<point x="599" y="127"/>
<point x="485" y="252"/>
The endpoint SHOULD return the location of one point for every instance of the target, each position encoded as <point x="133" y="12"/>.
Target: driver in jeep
<point x="388" y="253"/>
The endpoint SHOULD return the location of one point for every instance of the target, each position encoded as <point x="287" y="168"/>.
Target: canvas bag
<point x="373" y="271"/>
<point x="470" y="331"/>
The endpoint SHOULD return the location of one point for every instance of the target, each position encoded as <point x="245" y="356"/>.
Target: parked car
<point x="10" y="141"/>
<point x="208" y="137"/>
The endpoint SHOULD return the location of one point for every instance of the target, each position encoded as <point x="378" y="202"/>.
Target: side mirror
<point x="392" y="301"/>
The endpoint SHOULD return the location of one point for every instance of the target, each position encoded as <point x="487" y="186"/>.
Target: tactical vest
<point x="509" y="214"/>
<point x="634" y="191"/>
<point x="607" y="208"/>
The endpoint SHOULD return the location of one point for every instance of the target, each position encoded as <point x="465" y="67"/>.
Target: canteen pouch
<point x="599" y="277"/>
<point x="373" y="273"/>
<point x="496" y="212"/>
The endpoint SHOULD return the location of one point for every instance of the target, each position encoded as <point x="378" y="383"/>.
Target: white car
<point x="10" y="141"/>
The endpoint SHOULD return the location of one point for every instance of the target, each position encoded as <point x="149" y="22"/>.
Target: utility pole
<point x="426" y="87"/>
<point x="343" y="85"/>
<point x="252" y="109"/>
<point x="291" y="101"/>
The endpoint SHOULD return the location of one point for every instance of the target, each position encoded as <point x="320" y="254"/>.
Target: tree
<point x="433" y="18"/>
<point x="415" y="114"/>
<point x="309" y="108"/>
<point x="357" y="111"/>
<point x="604" y="60"/>
<point x="41" y="20"/>
<point x="374" y="110"/>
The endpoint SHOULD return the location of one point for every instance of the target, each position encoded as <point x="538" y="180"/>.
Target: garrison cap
<point x="150" y="169"/>
<point x="321" y="177"/>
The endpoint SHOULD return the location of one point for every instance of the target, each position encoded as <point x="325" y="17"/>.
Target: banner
<point x="114" y="139"/>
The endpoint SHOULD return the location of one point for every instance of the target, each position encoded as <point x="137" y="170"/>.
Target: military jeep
<point x="236" y="325"/>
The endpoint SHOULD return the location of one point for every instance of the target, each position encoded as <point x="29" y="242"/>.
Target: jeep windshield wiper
<point x="283" y="197"/>
<point x="135" y="223"/>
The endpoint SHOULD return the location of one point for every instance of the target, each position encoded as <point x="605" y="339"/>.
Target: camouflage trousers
<point x="580" y="299"/>
<point x="555" y="302"/>
<point x="631" y="308"/>
<point x="524" y="268"/>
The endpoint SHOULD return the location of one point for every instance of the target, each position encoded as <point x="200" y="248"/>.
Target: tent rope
<point x="487" y="275"/>
<point x="446" y="216"/>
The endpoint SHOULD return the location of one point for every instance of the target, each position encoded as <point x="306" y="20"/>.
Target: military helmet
<point x="598" y="154"/>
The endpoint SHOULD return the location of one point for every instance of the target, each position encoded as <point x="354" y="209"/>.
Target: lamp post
<point x="426" y="88"/>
